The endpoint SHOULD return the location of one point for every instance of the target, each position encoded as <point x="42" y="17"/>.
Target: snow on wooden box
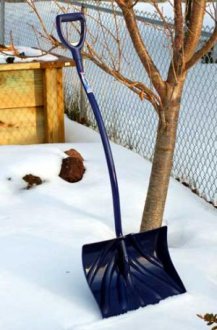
<point x="32" y="102"/>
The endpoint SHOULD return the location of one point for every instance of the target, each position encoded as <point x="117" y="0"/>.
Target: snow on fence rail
<point x="129" y="121"/>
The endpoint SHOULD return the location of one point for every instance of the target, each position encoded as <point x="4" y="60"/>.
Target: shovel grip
<point x="71" y="17"/>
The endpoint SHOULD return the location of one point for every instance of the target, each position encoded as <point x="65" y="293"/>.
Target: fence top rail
<point x="106" y="8"/>
<point x="140" y="16"/>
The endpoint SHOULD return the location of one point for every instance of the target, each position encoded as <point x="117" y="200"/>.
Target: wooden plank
<point x="21" y="89"/>
<point x="20" y="66"/>
<point x="22" y="126"/>
<point x="53" y="106"/>
<point x="21" y="116"/>
<point x="11" y="137"/>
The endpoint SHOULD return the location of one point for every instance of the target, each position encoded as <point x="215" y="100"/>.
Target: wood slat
<point x="22" y="126"/>
<point x="21" y="89"/>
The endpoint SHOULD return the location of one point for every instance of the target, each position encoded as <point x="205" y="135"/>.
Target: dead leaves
<point x="210" y="319"/>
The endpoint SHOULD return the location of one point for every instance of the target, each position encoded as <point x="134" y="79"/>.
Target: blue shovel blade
<point x="140" y="275"/>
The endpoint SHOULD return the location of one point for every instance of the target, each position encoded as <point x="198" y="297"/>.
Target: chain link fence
<point x="130" y="121"/>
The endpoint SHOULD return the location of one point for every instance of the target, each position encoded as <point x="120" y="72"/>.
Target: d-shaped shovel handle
<point x="74" y="48"/>
<point x="71" y="17"/>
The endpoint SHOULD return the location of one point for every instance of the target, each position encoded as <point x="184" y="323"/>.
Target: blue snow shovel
<point x="129" y="271"/>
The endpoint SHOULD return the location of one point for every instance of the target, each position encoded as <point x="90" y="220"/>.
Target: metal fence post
<point x="2" y="22"/>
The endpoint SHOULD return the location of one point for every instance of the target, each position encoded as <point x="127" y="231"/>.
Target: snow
<point x="31" y="55"/>
<point x="77" y="132"/>
<point x="42" y="230"/>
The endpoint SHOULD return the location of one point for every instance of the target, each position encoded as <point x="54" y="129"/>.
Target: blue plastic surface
<point x="124" y="278"/>
<point x="75" y="50"/>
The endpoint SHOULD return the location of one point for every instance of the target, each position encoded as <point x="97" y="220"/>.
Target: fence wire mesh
<point x="130" y="121"/>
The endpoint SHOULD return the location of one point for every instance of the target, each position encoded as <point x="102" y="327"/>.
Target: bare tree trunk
<point x="162" y="163"/>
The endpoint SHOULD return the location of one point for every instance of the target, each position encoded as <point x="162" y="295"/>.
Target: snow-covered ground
<point x="42" y="230"/>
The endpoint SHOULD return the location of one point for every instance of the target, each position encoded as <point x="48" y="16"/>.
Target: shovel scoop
<point x="129" y="271"/>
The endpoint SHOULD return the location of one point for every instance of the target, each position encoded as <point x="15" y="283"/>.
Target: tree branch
<point x="177" y="64"/>
<point x="179" y="28"/>
<point x="166" y="25"/>
<point x="204" y="50"/>
<point x="140" y="48"/>
<point x="33" y="6"/>
<point x="194" y="28"/>
<point x="137" y="87"/>
<point x="188" y="9"/>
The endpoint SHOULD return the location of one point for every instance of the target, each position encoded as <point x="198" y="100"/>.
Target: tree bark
<point x="162" y="162"/>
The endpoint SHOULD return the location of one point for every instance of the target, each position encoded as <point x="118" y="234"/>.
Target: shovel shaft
<point x="110" y="163"/>
<point x="76" y="54"/>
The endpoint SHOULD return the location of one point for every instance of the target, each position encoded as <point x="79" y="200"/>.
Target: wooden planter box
<point x="32" y="102"/>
